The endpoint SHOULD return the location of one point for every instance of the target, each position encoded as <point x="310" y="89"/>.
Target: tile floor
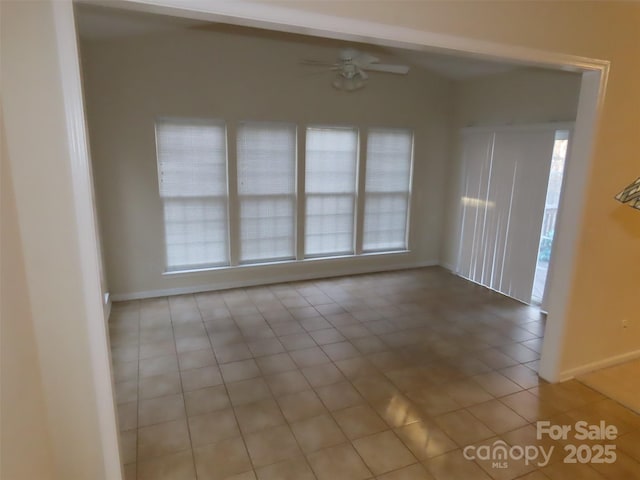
<point x="383" y="376"/>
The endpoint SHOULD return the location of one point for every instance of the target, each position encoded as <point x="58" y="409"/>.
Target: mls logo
<point x="499" y="465"/>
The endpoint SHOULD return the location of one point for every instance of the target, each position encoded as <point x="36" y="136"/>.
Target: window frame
<point x="237" y="207"/>
<point x="409" y="192"/>
<point x="203" y="121"/>
<point x="355" y="196"/>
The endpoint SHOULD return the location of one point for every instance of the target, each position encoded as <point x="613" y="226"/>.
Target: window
<point x="330" y="188"/>
<point x="387" y="189"/>
<point x="192" y="172"/>
<point x="267" y="191"/>
<point x="245" y="209"/>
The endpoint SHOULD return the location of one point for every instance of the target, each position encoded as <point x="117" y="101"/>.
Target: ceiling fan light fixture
<point x="348" y="84"/>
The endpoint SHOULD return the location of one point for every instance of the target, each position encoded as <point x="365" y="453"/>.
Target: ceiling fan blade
<point x="317" y="63"/>
<point x="365" y="59"/>
<point x="387" y="68"/>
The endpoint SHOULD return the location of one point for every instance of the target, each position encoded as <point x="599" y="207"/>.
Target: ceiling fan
<point x="352" y="66"/>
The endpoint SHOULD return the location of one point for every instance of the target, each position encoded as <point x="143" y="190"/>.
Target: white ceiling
<point x="100" y="23"/>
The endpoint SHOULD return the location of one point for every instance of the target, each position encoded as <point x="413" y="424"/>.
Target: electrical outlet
<point x="625" y="323"/>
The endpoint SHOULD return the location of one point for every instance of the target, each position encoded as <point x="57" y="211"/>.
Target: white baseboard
<point x="295" y="277"/>
<point x="449" y="267"/>
<point x="597" y="365"/>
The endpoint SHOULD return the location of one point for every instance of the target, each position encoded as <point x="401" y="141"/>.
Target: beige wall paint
<point x="25" y="446"/>
<point x="40" y="168"/>
<point x="605" y="286"/>
<point x="129" y="82"/>
<point x="527" y="95"/>
<point x="518" y="97"/>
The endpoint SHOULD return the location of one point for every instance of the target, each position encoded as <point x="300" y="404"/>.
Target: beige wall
<point x="522" y="96"/>
<point x="24" y="436"/>
<point x="605" y="287"/>
<point x="129" y="82"/>
<point x="40" y="172"/>
<point x="526" y="95"/>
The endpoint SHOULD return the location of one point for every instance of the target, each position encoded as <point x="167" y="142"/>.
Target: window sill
<point x="284" y="262"/>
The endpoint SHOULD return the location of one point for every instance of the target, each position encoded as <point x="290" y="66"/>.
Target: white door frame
<point x="241" y="12"/>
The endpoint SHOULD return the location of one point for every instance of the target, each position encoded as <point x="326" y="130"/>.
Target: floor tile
<point x="359" y="421"/>
<point x="163" y="439"/>
<point x="213" y="427"/>
<point x="161" y="409"/>
<point x="316" y="433"/>
<point x="320" y="375"/>
<point x="425" y="439"/>
<point x="160" y="385"/>
<point x="178" y="466"/>
<point x="248" y="391"/>
<point x="297" y="341"/>
<point x="242" y="370"/>
<point x="339" y="395"/>
<point x="453" y="465"/>
<point x="232" y="353"/>
<point x="158" y="365"/>
<point x="467" y="393"/>
<point x="287" y="382"/>
<point x="200" y="378"/>
<point x="272" y="445"/>
<point x="294" y="469"/>
<point x="496" y="384"/>
<point x="222" y="460"/>
<point x="462" y="427"/>
<point x="383" y="452"/>
<point x="259" y="415"/>
<point x="309" y="357"/>
<point x="301" y="405"/>
<point x="128" y="443"/>
<point x="278" y="363"/>
<point x="196" y="359"/>
<point x="412" y="472"/>
<point x="157" y="349"/>
<point x="497" y="416"/>
<point x="341" y="462"/>
<point x="206" y="400"/>
<point x="127" y="416"/>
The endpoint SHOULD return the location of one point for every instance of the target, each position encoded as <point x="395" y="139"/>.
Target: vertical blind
<point x="330" y="187"/>
<point x="504" y="177"/>
<point x="192" y="169"/>
<point x="267" y="191"/>
<point x="387" y="189"/>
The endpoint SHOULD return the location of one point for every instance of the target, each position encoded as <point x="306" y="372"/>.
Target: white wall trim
<point x="449" y="266"/>
<point x="80" y="166"/>
<point x="288" y="277"/>
<point x="597" y="365"/>
<point x="260" y="15"/>
<point x="561" y="273"/>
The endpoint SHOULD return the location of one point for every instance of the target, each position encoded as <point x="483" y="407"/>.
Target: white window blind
<point x="267" y="191"/>
<point x="387" y="189"/>
<point x="192" y="156"/>
<point x="330" y="187"/>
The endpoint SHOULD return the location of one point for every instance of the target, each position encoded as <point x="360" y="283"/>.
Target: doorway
<point x="505" y="223"/>
<point x="549" y="220"/>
